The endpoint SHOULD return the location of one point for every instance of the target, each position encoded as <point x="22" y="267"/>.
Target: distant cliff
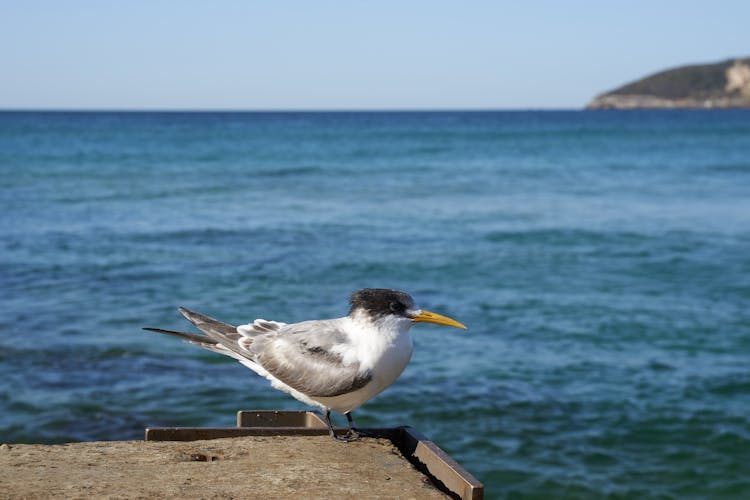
<point x="720" y="85"/>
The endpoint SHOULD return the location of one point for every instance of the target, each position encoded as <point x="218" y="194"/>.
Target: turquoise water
<point x="600" y="259"/>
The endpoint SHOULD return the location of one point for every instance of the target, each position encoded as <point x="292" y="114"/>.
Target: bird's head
<point x="379" y="303"/>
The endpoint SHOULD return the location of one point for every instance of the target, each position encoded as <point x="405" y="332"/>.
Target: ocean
<point x="601" y="261"/>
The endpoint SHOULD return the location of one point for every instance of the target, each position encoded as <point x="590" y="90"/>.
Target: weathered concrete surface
<point x="247" y="467"/>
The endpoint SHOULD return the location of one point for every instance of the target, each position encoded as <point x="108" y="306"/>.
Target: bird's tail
<point x="190" y="337"/>
<point x="219" y="332"/>
<point x="219" y="337"/>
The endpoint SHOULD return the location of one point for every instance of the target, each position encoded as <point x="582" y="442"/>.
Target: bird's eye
<point x="396" y="308"/>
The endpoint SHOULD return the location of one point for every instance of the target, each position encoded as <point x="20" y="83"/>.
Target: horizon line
<point x="280" y="110"/>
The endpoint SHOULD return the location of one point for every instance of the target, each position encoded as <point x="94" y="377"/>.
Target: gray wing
<point x="301" y="356"/>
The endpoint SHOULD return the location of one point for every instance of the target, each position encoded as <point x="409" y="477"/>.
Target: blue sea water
<point x="600" y="259"/>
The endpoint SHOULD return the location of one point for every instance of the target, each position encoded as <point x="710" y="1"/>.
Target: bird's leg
<point x="344" y="439"/>
<point x="327" y="416"/>
<point x="353" y="431"/>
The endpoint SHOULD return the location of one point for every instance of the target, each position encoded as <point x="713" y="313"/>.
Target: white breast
<point x="383" y="347"/>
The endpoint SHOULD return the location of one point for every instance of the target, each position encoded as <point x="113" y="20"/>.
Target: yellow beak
<point x="438" y="319"/>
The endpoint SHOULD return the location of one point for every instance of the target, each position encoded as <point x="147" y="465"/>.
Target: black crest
<point x="381" y="302"/>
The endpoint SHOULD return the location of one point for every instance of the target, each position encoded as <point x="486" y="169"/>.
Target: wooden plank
<point x="439" y="466"/>
<point x="201" y="433"/>
<point x="273" y="418"/>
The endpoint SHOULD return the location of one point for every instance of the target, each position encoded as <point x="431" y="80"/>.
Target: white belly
<point x="387" y="367"/>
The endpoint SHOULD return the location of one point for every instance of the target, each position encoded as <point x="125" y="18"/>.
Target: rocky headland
<point x="719" y="85"/>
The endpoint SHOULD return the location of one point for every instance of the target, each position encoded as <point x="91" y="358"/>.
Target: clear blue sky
<point x="384" y="54"/>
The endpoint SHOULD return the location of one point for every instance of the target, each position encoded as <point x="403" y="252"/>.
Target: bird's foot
<point x="346" y="438"/>
<point x="352" y="434"/>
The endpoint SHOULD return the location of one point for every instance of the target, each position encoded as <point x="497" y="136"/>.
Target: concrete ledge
<point x="290" y="454"/>
<point x="243" y="467"/>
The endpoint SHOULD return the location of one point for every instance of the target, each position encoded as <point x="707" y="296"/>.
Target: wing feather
<point x="222" y="334"/>
<point x="302" y="356"/>
<point x="305" y="356"/>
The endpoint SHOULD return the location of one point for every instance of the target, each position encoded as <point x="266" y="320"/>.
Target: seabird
<point x="332" y="364"/>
